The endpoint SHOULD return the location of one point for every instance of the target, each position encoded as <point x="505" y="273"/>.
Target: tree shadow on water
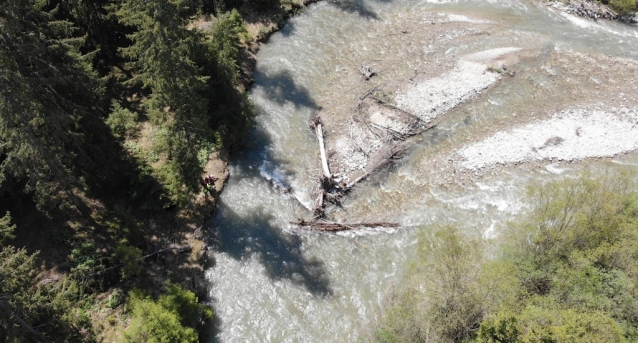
<point x="259" y="160"/>
<point x="282" y="88"/>
<point x="245" y="236"/>
<point x="358" y="7"/>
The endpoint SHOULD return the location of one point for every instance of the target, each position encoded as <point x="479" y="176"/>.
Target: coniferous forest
<point x="109" y="110"/>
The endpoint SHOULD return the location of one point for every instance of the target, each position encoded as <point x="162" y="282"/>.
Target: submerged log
<point x="334" y="226"/>
<point x="380" y="158"/>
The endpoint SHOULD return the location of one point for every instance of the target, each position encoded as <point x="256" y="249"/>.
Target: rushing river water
<point x="274" y="283"/>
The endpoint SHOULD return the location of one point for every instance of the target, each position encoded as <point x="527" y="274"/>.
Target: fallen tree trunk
<point x="380" y="158"/>
<point x="324" y="158"/>
<point x="412" y="115"/>
<point x="334" y="226"/>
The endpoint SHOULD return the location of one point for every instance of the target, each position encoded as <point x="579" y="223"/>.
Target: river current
<point x="272" y="282"/>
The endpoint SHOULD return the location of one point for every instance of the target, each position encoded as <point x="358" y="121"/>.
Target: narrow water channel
<point x="272" y="282"/>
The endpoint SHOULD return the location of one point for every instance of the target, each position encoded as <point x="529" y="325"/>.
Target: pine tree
<point x="98" y="22"/>
<point x="46" y="88"/>
<point x="29" y="310"/>
<point x="161" y="54"/>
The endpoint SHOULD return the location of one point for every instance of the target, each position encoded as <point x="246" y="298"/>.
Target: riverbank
<point x="591" y="9"/>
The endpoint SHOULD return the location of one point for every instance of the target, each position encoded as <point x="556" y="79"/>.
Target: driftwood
<point x="364" y="96"/>
<point x="380" y="158"/>
<point x="325" y="181"/>
<point x="322" y="149"/>
<point x="367" y="72"/>
<point x="383" y="102"/>
<point x="354" y="140"/>
<point x="334" y="226"/>
<point x="332" y="191"/>
<point x="361" y="120"/>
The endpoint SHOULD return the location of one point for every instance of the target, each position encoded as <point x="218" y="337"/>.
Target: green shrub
<point x="84" y="258"/>
<point x="130" y="258"/>
<point x="623" y="6"/>
<point x="152" y="323"/>
<point x="172" y="318"/>
<point x="115" y="299"/>
<point x="185" y="304"/>
<point x="563" y="272"/>
<point x="121" y="120"/>
<point x="6" y="228"/>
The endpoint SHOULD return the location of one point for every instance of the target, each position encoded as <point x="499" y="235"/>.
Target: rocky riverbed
<point x="414" y="92"/>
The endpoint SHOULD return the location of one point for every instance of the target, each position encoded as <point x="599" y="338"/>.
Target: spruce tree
<point x="46" y="88"/>
<point x="31" y="311"/>
<point x="161" y="54"/>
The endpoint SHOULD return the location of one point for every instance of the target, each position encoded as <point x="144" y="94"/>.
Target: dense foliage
<point x="62" y="76"/>
<point x="172" y="318"/>
<point x="565" y="272"/>
<point x="622" y="6"/>
<point x="32" y="310"/>
<point x="109" y="110"/>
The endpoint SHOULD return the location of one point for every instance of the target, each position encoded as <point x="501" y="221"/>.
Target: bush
<point x="444" y="300"/>
<point x="564" y="272"/>
<point x="121" y="121"/>
<point x="6" y="228"/>
<point x="130" y="258"/>
<point x="152" y="323"/>
<point x="172" y="318"/>
<point x="623" y="6"/>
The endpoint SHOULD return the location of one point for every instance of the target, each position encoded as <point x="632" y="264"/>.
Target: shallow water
<point x="274" y="283"/>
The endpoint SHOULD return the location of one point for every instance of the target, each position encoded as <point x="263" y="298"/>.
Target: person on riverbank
<point x="208" y="183"/>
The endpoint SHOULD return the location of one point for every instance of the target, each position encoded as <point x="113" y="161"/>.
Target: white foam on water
<point x="490" y="232"/>
<point x="589" y="24"/>
<point x="554" y="169"/>
<point x="491" y="54"/>
<point x="465" y="19"/>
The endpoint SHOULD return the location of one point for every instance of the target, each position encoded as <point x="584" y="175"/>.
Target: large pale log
<point x="324" y="158"/>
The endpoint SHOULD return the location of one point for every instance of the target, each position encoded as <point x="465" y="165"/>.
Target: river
<point x="272" y="282"/>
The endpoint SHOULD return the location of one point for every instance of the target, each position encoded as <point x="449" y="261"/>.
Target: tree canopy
<point x="564" y="272"/>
